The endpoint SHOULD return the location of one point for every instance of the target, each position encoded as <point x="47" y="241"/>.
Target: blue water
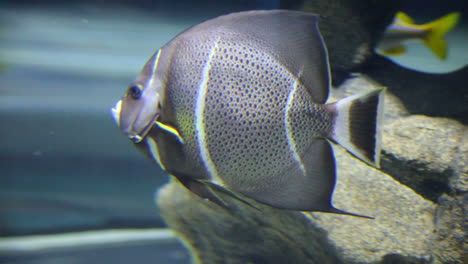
<point x="65" y="167"/>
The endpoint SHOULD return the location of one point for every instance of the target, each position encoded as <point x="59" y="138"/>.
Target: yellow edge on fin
<point x="170" y="130"/>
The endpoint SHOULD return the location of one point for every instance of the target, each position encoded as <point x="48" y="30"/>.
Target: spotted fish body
<point x="239" y="102"/>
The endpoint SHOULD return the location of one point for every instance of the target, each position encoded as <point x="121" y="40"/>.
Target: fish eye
<point x="135" y="91"/>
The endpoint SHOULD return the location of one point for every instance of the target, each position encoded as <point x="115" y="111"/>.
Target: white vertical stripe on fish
<point x="199" y="124"/>
<point x="341" y="124"/>
<point x="289" y="134"/>
<point x="154" y="151"/>
<point x="153" y="69"/>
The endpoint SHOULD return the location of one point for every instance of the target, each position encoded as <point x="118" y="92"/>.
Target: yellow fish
<point x="431" y="34"/>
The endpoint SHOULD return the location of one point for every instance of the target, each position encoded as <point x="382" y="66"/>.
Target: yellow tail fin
<point x="436" y="32"/>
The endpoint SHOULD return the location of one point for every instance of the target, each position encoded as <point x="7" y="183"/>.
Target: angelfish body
<point x="237" y="104"/>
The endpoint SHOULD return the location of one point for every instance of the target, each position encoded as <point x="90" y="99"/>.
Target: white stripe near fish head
<point x="153" y="69"/>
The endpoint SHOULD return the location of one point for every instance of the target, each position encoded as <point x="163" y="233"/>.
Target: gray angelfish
<point x="238" y="104"/>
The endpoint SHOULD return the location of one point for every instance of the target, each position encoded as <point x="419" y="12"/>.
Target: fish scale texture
<point x="251" y="103"/>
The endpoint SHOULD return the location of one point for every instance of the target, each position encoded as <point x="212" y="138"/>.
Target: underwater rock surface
<point x="417" y="199"/>
<point x="442" y="95"/>
<point x="244" y="235"/>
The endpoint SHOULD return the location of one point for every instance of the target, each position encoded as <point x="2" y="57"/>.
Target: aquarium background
<point x="65" y="167"/>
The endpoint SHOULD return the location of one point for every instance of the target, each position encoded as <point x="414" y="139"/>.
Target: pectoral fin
<point x="171" y="130"/>
<point x="210" y="191"/>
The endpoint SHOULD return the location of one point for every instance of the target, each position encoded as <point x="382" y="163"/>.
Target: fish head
<point x="140" y="107"/>
<point x="137" y="111"/>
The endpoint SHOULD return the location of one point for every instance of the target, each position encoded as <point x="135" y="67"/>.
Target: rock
<point x="394" y="108"/>
<point x="245" y="235"/>
<point x="403" y="224"/>
<point x="441" y="95"/>
<point x="428" y="154"/>
<point x="450" y="236"/>
<point x="431" y="156"/>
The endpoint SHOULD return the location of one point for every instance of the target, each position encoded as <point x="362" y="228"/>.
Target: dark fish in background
<point x="431" y="34"/>
<point x="352" y="29"/>
<point x="238" y="104"/>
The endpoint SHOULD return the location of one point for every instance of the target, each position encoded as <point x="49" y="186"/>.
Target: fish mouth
<point x="135" y="137"/>
<point x="116" y="112"/>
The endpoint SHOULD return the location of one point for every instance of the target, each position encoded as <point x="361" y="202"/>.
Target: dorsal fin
<point x="292" y="37"/>
<point x="403" y="17"/>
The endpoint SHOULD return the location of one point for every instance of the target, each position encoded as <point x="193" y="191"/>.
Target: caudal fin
<point x="357" y="125"/>
<point x="436" y="32"/>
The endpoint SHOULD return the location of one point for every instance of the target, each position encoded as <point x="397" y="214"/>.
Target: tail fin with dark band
<point x="357" y="125"/>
